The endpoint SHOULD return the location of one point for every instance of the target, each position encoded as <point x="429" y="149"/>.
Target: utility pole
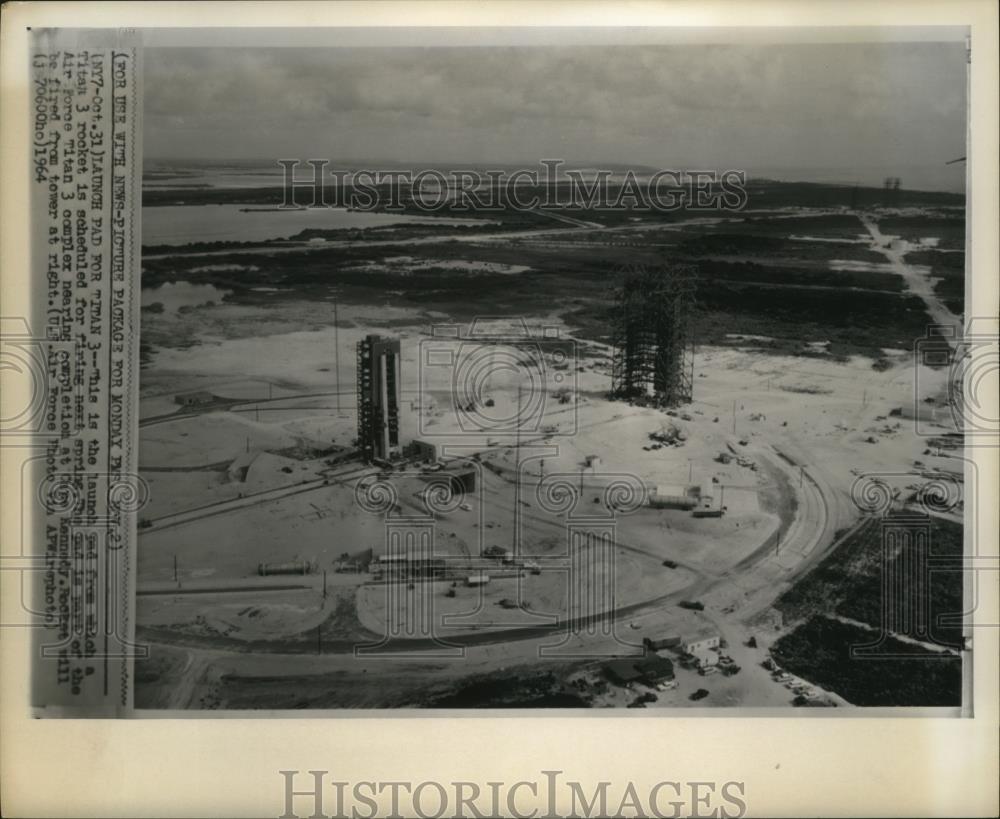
<point x="801" y="473"/>
<point x="324" y="584"/>
<point x="517" y="474"/>
<point x="175" y="568"/>
<point x="336" y="353"/>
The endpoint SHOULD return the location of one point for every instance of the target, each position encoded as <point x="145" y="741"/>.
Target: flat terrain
<point x="805" y="380"/>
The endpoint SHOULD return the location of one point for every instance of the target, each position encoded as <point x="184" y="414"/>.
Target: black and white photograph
<point x="499" y="409"/>
<point x="521" y="369"/>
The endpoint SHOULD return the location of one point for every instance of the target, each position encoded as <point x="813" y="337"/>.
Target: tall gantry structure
<point x="378" y="398"/>
<point x="653" y="346"/>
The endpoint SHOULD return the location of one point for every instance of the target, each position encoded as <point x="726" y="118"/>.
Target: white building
<point x="701" y="642"/>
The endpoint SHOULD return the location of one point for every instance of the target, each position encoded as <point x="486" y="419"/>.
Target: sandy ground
<point x="826" y="430"/>
<point x="810" y="427"/>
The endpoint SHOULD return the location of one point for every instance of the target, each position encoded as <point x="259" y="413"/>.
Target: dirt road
<point x="917" y="282"/>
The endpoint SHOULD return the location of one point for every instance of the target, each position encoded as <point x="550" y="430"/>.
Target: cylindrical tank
<point x="292" y="567"/>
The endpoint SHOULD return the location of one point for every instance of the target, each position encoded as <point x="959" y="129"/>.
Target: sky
<point x="714" y="106"/>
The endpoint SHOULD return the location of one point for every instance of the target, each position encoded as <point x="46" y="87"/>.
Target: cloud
<point x="637" y="103"/>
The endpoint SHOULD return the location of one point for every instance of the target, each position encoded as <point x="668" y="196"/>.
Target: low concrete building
<point x="423" y="450"/>
<point x="671" y="497"/>
<point x="661" y="642"/>
<point x="462" y="480"/>
<point x="700" y="641"/>
<point x="709" y="501"/>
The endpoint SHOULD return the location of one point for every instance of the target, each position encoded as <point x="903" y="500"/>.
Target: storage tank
<point x="292" y="567"/>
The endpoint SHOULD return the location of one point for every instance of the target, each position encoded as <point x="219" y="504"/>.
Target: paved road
<point x="235" y="405"/>
<point x="268" y="495"/>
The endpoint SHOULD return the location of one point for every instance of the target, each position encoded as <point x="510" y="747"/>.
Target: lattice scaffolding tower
<point x="653" y="339"/>
<point x="378" y="398"/>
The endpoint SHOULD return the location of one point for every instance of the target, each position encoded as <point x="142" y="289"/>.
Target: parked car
<point x="670" y="564"/>
<point x="695" y="605"/>
<point x="700" y="694"/>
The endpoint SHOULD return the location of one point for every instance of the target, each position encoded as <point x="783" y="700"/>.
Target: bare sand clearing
<point x="803" y="426"/>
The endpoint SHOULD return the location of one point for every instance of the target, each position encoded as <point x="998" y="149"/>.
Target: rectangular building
<point x="700" y="642"/>
<point x="423" y="451"/>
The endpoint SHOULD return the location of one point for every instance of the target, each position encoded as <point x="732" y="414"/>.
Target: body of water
<point x="928" y="176"/>
<point x="183" y="224"/>
<point x="175" y="295"/>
